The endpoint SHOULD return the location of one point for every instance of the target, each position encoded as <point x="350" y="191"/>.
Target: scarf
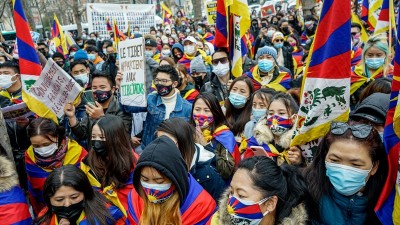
<point x="54" y="161"/>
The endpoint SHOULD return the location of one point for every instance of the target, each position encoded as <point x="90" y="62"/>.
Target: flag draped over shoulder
<point x="386" y="17"/>
<point x="58" y="36"/>
<point x="385" y="206"/>
<point x="326" y="84"/>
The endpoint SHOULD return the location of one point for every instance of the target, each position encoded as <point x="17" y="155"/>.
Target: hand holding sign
<point x="118" y="79"/>
<point x="94" y="111"/>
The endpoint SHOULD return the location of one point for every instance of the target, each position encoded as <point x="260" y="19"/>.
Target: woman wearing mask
<point x="267" y="73"/>
<point x="50" y="149"/>
<point x="263" y="193"/>
<point x="70" y="199"/>
<point x="185" y="86"/>
<point x="275" y="132"/>
<point x="165" y="193"/>
<point x="239" y="106"/>
<point x="284" y="51"/>
<point x="166" y="51"/>
<point x="177" y="51"/>
<point x="297" y="54"/>
<point x="209" y="48"/>
<point x="214" y="134"/>
<point x="376" y="64"/>
<point x="110" y="163"/>
<point x="347" y="176"/>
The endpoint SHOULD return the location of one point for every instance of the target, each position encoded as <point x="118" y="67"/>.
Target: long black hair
<point x="46" y="127"/>
<point x="284" y="182"/>
<point x="184" y="134"/>
<point x="118" y="163"/>
<point x="95" y="204"/>
<point x="215" y="108"/>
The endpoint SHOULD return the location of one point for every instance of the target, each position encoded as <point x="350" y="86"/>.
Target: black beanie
<point x="58" y="55"/>
<point x="163" y="155"/>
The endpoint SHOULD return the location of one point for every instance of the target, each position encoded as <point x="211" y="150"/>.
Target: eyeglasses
<point x="354" y="33"/>
<point x="278" y="40"/>
<point x="361" y="131"/>
<point x="220" y="60"/>
<point x="161" y="81"/>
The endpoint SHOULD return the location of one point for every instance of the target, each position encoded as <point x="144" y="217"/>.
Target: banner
<point x="55" y="88"/>
<point x="15" y="111"/>
<point x="132" y="64"/>
<point x="268" y="9"/>
<point x="211" y="12"/>
<point x="141" y="15"/>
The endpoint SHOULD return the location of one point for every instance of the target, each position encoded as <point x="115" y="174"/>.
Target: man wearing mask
<point x="310" y="24"/>
<point x="284" y="27"/>
<point x="105" y="102"/>
<point x="44" y="49"/>
<point x="191" y="51"/>
<point x="198" y="71"/>
<point x="356" y="34"/>
<point x="60" y="60"/>
<point x="94" y="57"/>
<point x="109" y="66"/>
<point x="79" y="41"/>
<point x="220" y="76"/>
<point x="255" y="29"/>
<point x="284" y="51"/>
<point x="151" y="49"/>
<point x="204" y="35"/>
<point x="166" y="103"/>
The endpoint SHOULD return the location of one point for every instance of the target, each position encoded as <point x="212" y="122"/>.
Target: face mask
<point x="136" y="32"/>
<point x="265" y="65"/>
<point x="237" y="100"/>
<point x="69" y="212"/>
<point x="168" y="32"/>
<point x="163" y="90"/>
<point x="105" y="51"/>
<point x="198" y="80"/>
<point x="293" y="44"/>
<point x="258" y="113"/>
<point x="102" y="96"/>
<point x="245" y="212"/>
<point x="374" y="63"/>
<point x="285" y="30"/>
<point x="187" y="30"/>
<point x="91" y="57"/>
<point x="60" y="63"/>
<point x="80" y="44"/>
<point x="157" y="193"/>
<point x="308" y="24"/>
<point x="84" y="78"/>
<point x="166" y="52"/>
<point x="180" y="81"/>
<point x="208" y="52"/>
<point x="99" y="147"/>
<point x="221" y="70"/>
<point x="46" y="151"/>
<point x="203" y="121"/>
<point x="174" y="36"/>
<point x="278" y="45"/>
<point x="148" y="53"/>
<point x="279" y="124"/>
<point x="199" y="30"/>
<point x="112" y="57"/>
<point x="42" y="51"/>
<point x="189" y="49"/>
<point x="6" y="81"/>
<point x="346" y="180"/>
<point x="270" y="33"/>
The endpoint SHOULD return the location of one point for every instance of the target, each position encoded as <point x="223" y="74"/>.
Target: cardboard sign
<point x="211" y="12"/>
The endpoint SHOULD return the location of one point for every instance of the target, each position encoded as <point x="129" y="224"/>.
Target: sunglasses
<point x="221" y="60"/>
<point x="361" y="131"/>
<point x="278" y="40"/>
<point x="354" y="33"/>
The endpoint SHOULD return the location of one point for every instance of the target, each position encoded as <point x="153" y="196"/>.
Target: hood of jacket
<point x="8" y="174"/>
<point x="264" y="135"/>
<point x="298" y="216"/>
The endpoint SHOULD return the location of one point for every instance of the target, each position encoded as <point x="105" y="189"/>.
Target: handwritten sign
<point x="55" y="88"/>
<point x="132" y="64"/>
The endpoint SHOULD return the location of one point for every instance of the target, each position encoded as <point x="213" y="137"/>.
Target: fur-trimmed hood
<point x="8" y="175"/>
<point x="298" y="215"/>
<point x="264" y="135"/>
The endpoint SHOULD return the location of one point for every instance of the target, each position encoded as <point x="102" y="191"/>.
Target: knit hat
<point x="58" y="55"/>
<point x="373" y="108"/>
<point x="197" y="65"/>
<point x="150" y="42"/>
<point x="277" y="35"/>
<point x="163" y="155"/>
<point x="81" y="54"/>
<point x="211" y="47"/>
<point x="267" y="50"/>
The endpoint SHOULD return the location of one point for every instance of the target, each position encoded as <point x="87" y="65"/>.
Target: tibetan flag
<point x="59" y="37"/>
<point x="69" y="40"/>
<point x="108" y="26"/>
<point x="373" y="12"/>
<point x="226" y="138"/>
<point x="326" y="85"/>
<point x="386" y="203"/>
<point x="355" y="19"/>
<point x="166" y="12"/>
<point x="118" y="36"/>
<point x="364" y="11"/>
<point x="221" y="26"/>
<point x="386" y="18"/>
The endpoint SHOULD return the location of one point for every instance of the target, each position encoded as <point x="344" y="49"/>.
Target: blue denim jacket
<point x="156" y="114"/>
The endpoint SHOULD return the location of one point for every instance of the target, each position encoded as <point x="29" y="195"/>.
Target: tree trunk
<point x="28" y="14"/>
<point x="197" y="7"/>
<point x="307" y="5"/>
<point x="77" y="16"/>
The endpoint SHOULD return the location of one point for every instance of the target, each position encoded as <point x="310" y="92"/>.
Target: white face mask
<point x="166" y="52"/>
<point x="189" y="49"/>
<point x="6" y="81"/>
<point x="46" y="151"/>
<point x="221" y="69"/>
<point x="84" y="78"/>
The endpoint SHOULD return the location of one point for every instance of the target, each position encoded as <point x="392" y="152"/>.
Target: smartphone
<point x="88" y="96"/>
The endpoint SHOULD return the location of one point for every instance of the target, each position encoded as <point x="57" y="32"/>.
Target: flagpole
<point x="390" y="39"/>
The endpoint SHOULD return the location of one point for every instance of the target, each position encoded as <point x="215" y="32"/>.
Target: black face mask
<point x="112" y="57"/>
<point x="285" y="30"/>
<point x="102" y="96"/>
<point x="60" y="63"/>
<point x="99" y="147"/>
<point x="71" y="212"/>
<point x="164" y="90"/>
<point x="198" y="80"/>
<point x="43" y="51"/>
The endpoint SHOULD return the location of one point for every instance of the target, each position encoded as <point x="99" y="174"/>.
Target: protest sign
<point x="211" y="12"/>
<point x="15" y="111"/>
<point x="132" y="64"/>
<point x="55" y="88"/>
<point x="268" y="9"/>
<point x="141" y="15"/>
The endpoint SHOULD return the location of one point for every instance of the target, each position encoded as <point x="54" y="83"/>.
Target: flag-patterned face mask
<point x="245" y="212"/>
<point x="158" y="193"/>
<point x="279" y="124"/>
<point x="203" y="121"/>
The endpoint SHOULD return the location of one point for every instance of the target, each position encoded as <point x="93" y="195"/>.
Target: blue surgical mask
<point x="265" y="65"/>
<point x="258" y="113"/>
<point x="199" y="30"/>
<point x="148" y="53"/>
<point x="278" y="45"/>
<point x="346" y="180"/>
<point x="270" y="33"/>
<point x="374" y="63"/>
<point x="84" y="78"/>
<point x="237" y="100"/>
<point x="91" y="57"/>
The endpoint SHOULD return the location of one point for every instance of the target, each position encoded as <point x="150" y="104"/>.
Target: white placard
<point x="132" y="64"/>
<point x="141" y="15"/>
<point x="55" y="88"/>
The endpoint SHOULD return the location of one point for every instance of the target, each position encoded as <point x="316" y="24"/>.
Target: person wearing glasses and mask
<point x="220" y="76"/>
<point x="284" y="51"/>
<point x="161" y="105"/>
<point x="347" y="175"/>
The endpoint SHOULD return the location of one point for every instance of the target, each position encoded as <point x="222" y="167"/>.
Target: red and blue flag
<point x="365" y="11"/>
<point x="221" y="26"/>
